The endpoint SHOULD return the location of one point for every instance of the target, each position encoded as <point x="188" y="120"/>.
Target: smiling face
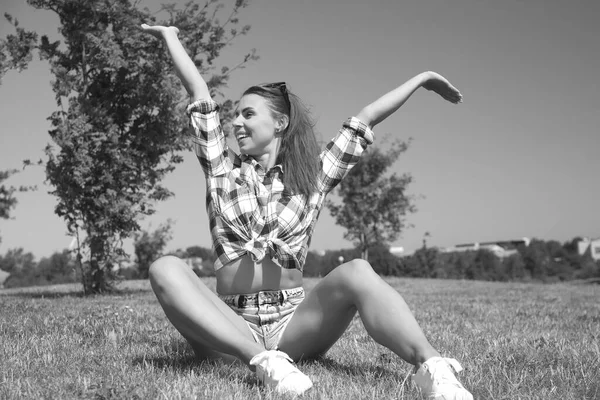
<point x="255" y="127"/>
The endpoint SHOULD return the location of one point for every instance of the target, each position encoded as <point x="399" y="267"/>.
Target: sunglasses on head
<point x="283" y="88"/>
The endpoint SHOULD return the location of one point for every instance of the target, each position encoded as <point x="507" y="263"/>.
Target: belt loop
<point x="282" y="297"/>
<point x="238" y="301"/>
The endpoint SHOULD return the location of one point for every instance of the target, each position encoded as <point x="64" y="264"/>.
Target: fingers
<point x="440" y="85"/>
<point x="447" y="91"/>
<point x="454" y="96"/>
<point x="157" y="30"/>
<point x="148" y="28"/>
<point x="451" y="93"/>
<point x="457" y="95"/>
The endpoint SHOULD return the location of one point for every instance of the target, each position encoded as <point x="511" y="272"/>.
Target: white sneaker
<point x="437" y="381"/>
<point x="277" y="370"/>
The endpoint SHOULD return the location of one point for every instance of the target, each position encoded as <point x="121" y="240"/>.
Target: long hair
<point x="299" y="150"/>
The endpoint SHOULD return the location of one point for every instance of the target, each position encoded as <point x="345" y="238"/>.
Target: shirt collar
<point x="255" y="164"/>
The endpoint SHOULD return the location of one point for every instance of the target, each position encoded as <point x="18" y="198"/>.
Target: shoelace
<point x="439" y="372"/>
<point x="278" y="363"/>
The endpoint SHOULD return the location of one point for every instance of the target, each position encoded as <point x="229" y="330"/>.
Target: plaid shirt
<point x="249" y="209"/>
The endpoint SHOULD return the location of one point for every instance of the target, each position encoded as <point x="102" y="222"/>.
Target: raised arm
<point x="387" y="104"/>
<point x="184" y="66"/>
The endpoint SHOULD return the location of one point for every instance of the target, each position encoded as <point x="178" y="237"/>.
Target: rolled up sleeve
<point x="208" y="138"/>
<point x="343" y="152"/>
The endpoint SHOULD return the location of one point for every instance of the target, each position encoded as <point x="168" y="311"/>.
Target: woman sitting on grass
<point x="262" y="206"/>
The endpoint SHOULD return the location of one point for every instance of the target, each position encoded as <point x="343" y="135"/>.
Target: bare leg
<point x="327" y="310"/>
<point x="210" y="326"/>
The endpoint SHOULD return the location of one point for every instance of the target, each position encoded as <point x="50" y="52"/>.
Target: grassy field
<point x="515" y="341"/>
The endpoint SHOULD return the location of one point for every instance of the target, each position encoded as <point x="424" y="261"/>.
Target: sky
<point x="519" y="158"/>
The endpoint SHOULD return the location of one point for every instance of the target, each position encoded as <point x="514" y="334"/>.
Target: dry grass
<point x="515" y="341"/>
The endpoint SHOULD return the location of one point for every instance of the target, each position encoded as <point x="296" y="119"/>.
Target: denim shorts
<point x="266" y="313"/>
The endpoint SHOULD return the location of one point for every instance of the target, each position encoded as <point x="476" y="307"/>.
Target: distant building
<point x="591" y="245"/>
<point x="399" y="251"/>
<point x="504" y="248"/>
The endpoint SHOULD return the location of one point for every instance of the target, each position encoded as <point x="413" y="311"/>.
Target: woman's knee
<point x="359" y="267"/>
<point x="163" y="268"/>
<point x="355" y="271"/>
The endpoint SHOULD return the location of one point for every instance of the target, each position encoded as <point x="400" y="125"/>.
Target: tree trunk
<point x="79" y="258"/>
<point x="364" y="247"/>
<point x="98" y="280"/>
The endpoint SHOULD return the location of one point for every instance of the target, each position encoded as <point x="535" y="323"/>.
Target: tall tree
<point x="120" y="125"/>
<point x="373" y="204"/>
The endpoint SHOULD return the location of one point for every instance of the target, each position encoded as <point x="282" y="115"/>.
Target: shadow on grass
<point x="184" y="363"/>
<point x="188" y="362"/>
<point x="355" y="370"/>
<point x="177" y="363"/>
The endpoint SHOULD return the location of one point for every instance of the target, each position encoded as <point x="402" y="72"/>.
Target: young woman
<point x="262" y="206"/>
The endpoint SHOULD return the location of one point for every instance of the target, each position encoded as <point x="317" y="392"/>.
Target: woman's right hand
<point x="159" y="31"/>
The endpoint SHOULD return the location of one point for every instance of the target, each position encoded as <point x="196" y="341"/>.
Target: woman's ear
<point x="282" y="123"/>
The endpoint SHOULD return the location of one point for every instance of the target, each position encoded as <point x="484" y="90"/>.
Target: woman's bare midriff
<point x="244" y="276"/>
